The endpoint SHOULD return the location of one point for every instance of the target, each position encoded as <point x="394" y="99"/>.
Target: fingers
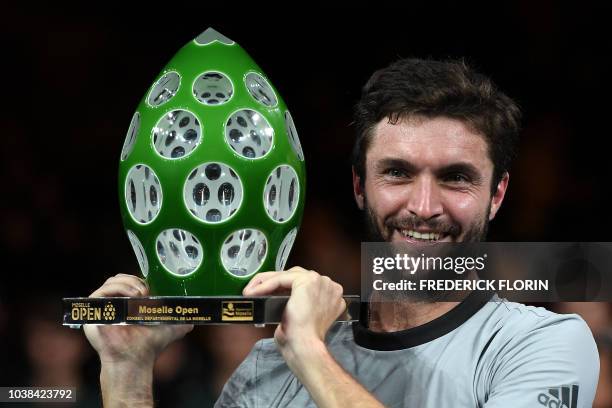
<point x="183" y="329"/>
<point x="335" y="291"/>
<point x="122" y="285"/>
<point x="257" y="280"/>
<point x="282" y="281"/>
<point x="263" y="277"/>
<point x="344" y="314"/>
<point x="175" y="331"/>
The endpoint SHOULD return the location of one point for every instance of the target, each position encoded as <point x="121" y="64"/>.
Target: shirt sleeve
<point x="239" y="390"/>
<point x="553" y="365"/>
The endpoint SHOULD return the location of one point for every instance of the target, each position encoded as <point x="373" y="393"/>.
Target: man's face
<point x="428" y="180"/>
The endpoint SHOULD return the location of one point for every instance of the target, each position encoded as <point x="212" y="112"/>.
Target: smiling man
<point x="428" y="179"/>
<point x="434" y="145"/>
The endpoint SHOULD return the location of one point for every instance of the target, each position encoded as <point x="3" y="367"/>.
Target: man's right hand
<point x="130" y="343"/>
<point x="128" y="352"/>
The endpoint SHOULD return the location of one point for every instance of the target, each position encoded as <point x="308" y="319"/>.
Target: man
<point x="434" y="145"/>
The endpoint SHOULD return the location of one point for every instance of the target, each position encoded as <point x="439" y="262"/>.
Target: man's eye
<point x="396" y="173"/>
<point x="457" y="178"/>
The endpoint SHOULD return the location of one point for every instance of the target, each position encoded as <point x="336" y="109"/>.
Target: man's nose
<point x="424" y="198"/>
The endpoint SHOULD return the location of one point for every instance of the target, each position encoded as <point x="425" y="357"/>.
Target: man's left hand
<point x="315" y="302"/>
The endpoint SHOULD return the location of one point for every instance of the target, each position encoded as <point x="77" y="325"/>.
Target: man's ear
<point x="358" y="189"/>
<point x="498" y="196"/>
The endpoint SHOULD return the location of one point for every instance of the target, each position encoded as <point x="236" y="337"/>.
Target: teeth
<point x="427" y="236"/>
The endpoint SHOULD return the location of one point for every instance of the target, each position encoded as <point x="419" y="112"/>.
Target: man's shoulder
<point x="519" y="318"/>
<point x="530" y="350"/>
<point x="517" y="332"/>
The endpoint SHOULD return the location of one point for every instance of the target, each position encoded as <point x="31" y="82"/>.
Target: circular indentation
<point x="213" y="88"/>
<point x="226" y="194"/>
<point x="260" y="89"/>
<point x="255" y="137"/>
<point x="143" y="194"/>
<point x="232" y="251"/>
<point x="293" y="136"/>
<point x="179" y="251"/>
<point x="153" y="195"/>
<point x="164" y="89"/>
<point x="248" y="152"/>
<point x="235" y="135"/>
<point x="285" y="249"/>
<point x="192" y="251"/>
<point x="130" y="137"/>
<point x="212" y="171"/>
<point x="140" y="253"/>
<point x="178" y="151"/>
<point x="281" y="194"/>
<point x="244" y="251"/>
<point x="272" y="195"/>
<point x="201" y="194"/>
<point x="253" y="140"/>
<point x="176" y="134"/>
<point x="190" y="135"/>
<point x="213" y="215"/>
<point x="213" y="192"/>
<point x="179" y="235"/>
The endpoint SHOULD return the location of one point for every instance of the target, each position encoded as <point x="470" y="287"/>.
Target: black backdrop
<point x="72" y="82"/>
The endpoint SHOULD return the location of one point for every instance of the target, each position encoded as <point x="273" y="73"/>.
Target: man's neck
<point x="396" y="316"/>
<point x="401" y="314"/>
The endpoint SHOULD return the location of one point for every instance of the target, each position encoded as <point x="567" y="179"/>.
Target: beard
<point x="475" y="232"/>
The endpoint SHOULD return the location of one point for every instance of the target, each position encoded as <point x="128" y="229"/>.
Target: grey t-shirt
<point x="486" y="352"/>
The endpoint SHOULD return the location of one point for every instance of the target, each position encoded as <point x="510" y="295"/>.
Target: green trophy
<point x="212" y="175"/>
<point x="211" y="189"/>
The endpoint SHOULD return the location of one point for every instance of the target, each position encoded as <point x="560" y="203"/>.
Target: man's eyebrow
<point x="462" y="167"/>
<point x="466" y="168"/>
<point x="387" y="163"/>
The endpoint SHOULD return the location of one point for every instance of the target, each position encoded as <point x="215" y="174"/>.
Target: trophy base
<point x="200" y="310"/>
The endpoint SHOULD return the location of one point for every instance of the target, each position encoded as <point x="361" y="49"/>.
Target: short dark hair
<point x="418" y="87"/>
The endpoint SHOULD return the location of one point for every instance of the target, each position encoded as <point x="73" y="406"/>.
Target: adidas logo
<point x="560" y="397"/>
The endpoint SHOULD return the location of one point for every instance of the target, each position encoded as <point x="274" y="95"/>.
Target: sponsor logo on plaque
<point x="237" y="311"/>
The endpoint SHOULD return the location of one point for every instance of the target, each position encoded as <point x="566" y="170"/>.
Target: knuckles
<point x="324" y="282"/>
<point x="313" y="278"/>
<point x="297" y="269"/>
<point x="123" y="275"/>
<point x="136" y="286"/>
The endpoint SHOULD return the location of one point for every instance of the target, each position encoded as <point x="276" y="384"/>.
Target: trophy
<point x="211" y="190"/>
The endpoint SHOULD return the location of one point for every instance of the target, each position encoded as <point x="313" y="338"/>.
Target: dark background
<point x="72" y="82"/>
